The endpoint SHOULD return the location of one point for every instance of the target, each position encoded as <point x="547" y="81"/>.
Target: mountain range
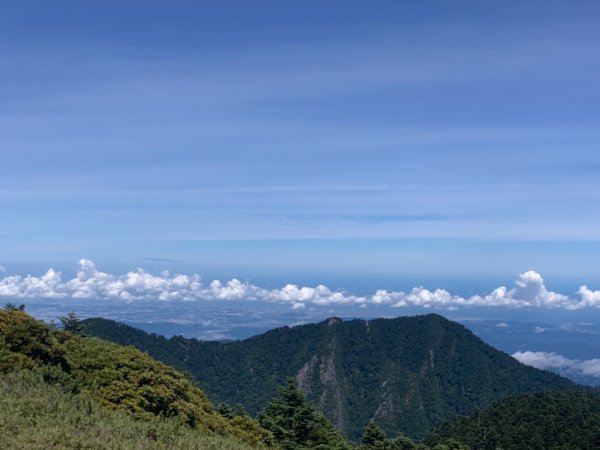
<point x="408" y="374"/>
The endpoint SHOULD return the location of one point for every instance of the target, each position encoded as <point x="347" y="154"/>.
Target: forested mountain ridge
<point x="548" y="420"/>
<point x="407" y="373"/>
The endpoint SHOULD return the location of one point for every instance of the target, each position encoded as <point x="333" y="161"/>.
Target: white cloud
<point x="502" y="325"/>
<point x="47" y="286"/>
<point x="2" y="269"/>
<point x="138" y="285"/>
<point x="530" y="288"/>
<point x="560" y="363"/>
<point x="588" y="297"/>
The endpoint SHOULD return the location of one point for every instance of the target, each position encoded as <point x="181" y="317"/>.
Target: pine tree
<point x="373" y="436"/>
<point x="296" y="424"/>
<point x="71" y="322"/>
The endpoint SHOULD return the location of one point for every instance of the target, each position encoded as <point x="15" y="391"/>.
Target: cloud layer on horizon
<point x="559" y="363"/>
<point x="139" y="285"/>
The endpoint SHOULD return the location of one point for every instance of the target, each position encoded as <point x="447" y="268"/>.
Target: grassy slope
<point x="120" y="378"/>
<point x="34" y="415"/>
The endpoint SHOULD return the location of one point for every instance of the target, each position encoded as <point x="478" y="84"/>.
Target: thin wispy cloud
<point x="294" y="70"/>
<point x="373" y="218"/>
<point x="191" y="191"/>
<point x="167" y="260"/>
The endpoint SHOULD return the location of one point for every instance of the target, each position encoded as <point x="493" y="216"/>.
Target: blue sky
<point x="380" y="144"/>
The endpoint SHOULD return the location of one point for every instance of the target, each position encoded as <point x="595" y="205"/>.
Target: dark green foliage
<point x="121" y="378"/>
<point x="408" y="374"/>
<point x="71" y="322"/>
<point x="450" y="444"/>
<point x="373" y="436"/>
<point x="297" y="425"/>
<point x="225" y="410"/>
<point x="10" y="306"/>
<point x="54" y="376"/>
<point x="403" y="443"/>
<point x="550" y="420"/>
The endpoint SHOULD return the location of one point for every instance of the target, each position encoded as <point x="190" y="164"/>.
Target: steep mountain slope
<point x="121" y="378"/>
<point x="408" y="373"/>
<point x="549" y="420"/>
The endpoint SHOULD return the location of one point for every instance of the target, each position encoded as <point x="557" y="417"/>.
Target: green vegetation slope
<point x="35" y="415"/>
<point x="408" y="374"/>
<point x="544" y="421"/>
<point x="120" y="378"/>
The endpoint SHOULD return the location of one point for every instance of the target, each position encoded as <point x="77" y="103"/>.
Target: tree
<point x="452" y="444"/>
<point x="296" y="424"/>
<point x="401" y="442"/>
<point x="225" y="410"/>
<point x="373" y="436"/>
<point x="71" y="322"/>
<point x="10" y="306"/>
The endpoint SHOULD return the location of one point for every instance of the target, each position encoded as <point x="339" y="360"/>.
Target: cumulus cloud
<point x="90" y="283"/>
<point x="559" y="363"/>
<point x="46" y="286"/>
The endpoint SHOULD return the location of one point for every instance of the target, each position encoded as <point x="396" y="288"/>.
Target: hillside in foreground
<point x="94" y="374"/>
<point x="408" y="374"/>
<point x="35" y="415"/>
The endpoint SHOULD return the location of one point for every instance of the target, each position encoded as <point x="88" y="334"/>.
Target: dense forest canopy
<point x="548" y="420"/>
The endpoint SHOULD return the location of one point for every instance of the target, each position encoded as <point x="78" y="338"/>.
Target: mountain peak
<point x="333" y="321"/>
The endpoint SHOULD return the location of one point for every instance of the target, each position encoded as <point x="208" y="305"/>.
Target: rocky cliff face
<point x="319" y="378"/>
